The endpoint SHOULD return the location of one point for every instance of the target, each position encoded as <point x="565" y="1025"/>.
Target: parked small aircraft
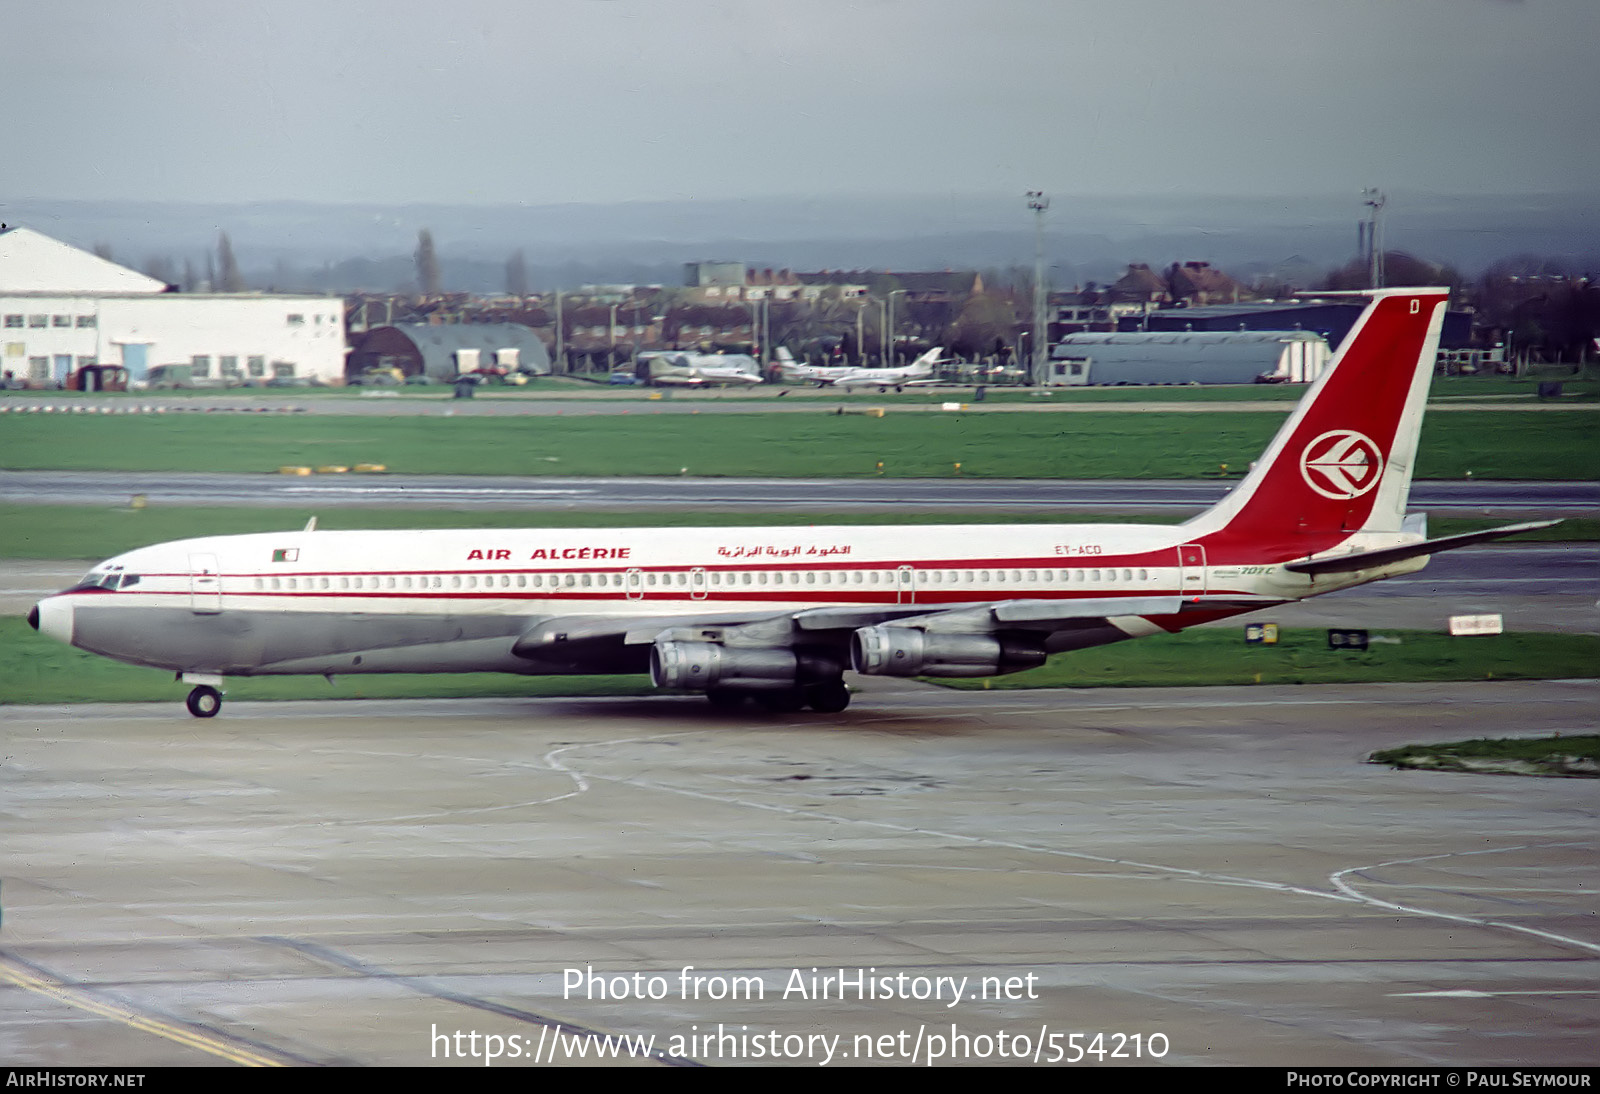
<point x="673" y="368"/>
<point x="916" y="373"/>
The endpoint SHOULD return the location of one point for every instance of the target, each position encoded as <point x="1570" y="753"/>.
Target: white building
<point x="62" y="308"/>
<point x="1188" y="357"/>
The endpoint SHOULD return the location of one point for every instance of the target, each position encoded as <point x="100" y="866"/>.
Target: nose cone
<point x="53" y="616"/>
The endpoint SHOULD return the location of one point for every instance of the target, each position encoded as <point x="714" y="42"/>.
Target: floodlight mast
<point x="1374" y="200"/>
<point x="1039" y="201"/>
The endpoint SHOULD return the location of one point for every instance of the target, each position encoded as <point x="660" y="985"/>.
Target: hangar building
<point x="1331" y="318"/>
<point x="62" y="308"/>
<point x="441" y="350"/>
<point x="1191" y="357"/>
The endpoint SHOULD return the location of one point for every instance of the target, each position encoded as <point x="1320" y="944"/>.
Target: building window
<point x="296" y="320"/>
<point x="258" y="366"/>
<point x="86" y="321"/>
<point x="13" y="320"/>
<point x="283" y="370"/>
<point x="38" y="368"/>
<point x="229" y="366"/>
<point x="61" y="320"/>
<point x="38" y="320"/>
<point x="200" y="366"/>
<point x="83" y="361"/>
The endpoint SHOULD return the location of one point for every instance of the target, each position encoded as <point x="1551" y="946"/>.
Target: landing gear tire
<point x="830" y="698"/>
<point x="725" y="698"/>
<point x="786" y="701"/>
<point x="204" y="702"/>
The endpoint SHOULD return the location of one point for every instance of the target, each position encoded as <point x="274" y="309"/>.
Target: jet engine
<point x="904" y="651"/>
<point x="700" y="666"/>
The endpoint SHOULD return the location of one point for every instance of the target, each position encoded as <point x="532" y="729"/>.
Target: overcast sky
<point x="623" y="100"/>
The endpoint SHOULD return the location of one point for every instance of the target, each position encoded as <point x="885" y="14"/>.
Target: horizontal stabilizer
<point x="1366" y="560"/>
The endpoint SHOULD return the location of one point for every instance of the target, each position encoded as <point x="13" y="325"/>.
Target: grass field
<point x="40" y="670"/>
<point x="87" y="532"/>
<point x="1109" y="445"/>
<point x="1566" y="757"/>
<point x="1575" y="388"/>
<point x="1220" y="656"/>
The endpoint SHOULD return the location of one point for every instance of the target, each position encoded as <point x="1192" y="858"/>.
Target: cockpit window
<point x="129" y="579"/>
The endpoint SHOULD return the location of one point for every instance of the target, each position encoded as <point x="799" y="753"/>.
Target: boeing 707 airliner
<point x="778" y="615"/>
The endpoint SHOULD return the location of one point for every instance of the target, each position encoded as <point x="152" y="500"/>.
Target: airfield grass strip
<point x="1220" y="656"/>
<point x="1560" y="757"/>
<point x="95" y="532"/>
<point x="1113" y="444"/>
<point x="37" y="669"/>
<point x="1581" y="386"/>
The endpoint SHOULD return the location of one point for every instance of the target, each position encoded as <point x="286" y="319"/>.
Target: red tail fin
<point x="1342" y="462"/>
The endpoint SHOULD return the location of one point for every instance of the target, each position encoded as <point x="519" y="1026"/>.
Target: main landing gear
<point x="829" y="697"/>
<point x="204" y="701"/>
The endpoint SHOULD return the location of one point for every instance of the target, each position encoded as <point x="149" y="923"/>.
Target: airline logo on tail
<point x="1341" y="464"/>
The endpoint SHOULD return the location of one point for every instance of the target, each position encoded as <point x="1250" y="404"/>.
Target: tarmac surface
<point x="1511" y="499"/>
<point x="599" y="399"/>
<point x="1201" y="875"/>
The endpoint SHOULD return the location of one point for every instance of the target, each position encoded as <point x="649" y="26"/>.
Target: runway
<point x="1557" y="499"/>
<point x="1201" y="875"/>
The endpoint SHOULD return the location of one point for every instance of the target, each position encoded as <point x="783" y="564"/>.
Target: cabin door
<point x="205" y="585"/>
<point x="1192" y="570"/>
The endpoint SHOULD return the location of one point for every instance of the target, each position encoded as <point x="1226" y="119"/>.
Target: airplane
<point x="778" y="614"/>
<point x="673" y="368"/>
<point x="794" y="372"/>
<point x="917" y="373"/>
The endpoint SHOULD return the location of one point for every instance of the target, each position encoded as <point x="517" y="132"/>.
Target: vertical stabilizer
<point x="1342" y="462"/>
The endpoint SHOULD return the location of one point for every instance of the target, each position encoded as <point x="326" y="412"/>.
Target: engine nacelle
<point x="700" y="666"/>
<point x="905" y="651"/>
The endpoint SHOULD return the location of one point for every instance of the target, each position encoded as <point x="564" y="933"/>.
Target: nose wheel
<point x="204" y="701"/>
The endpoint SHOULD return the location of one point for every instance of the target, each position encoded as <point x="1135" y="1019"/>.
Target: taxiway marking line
<point x="15" y="972"/>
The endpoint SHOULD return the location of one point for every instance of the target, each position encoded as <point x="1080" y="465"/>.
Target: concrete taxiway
<point x="1200" y="875"/>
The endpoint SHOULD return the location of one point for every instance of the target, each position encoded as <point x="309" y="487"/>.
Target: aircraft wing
<point x="611" y="643"/>
<point x="1366" y="560"/>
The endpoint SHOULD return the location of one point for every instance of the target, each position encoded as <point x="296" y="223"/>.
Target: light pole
<point x="1375" y="200"/>
<point x="889" y="324"/>
<point x="560" y="367"/>
<point x="1038" y="201"/>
